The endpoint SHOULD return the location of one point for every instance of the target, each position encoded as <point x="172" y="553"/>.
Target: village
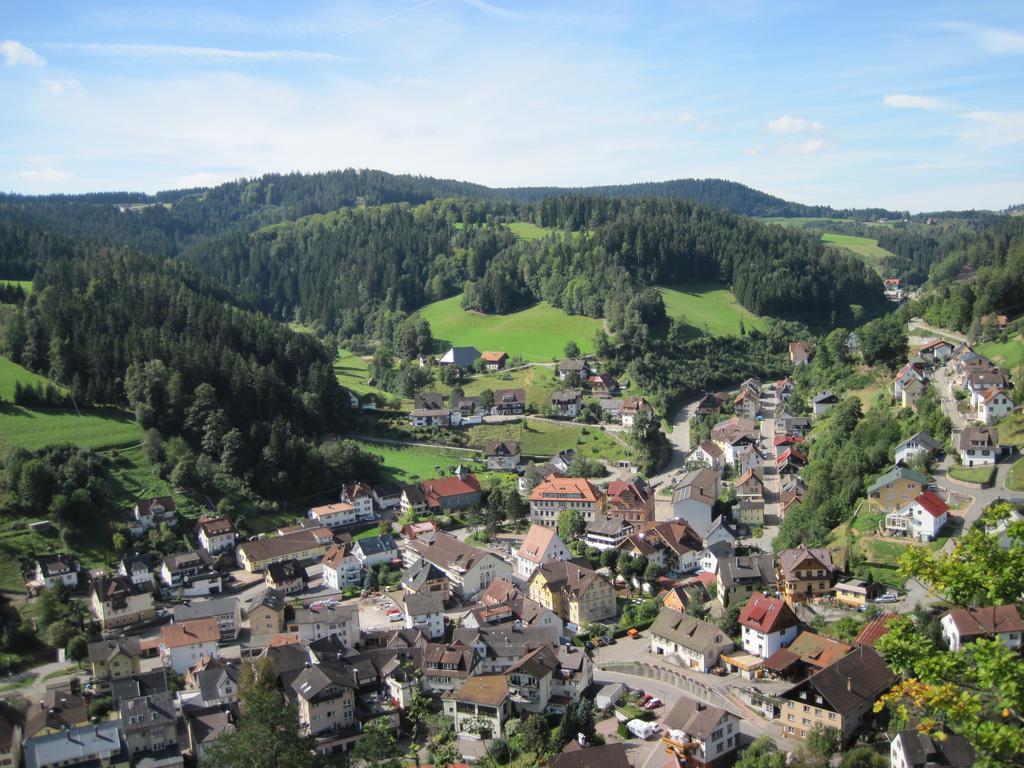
<point x="658" y="604"/>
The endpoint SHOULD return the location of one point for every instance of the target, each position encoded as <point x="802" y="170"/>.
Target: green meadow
<point x="1007" y="353"/>
<point x="710" y="307"/>
<point x="545" y="438"/>
<point x="537" y="334"/>
<point x="538" y="382"/>
<point x="527" y="230"/>
<point x="26" y="285"/>
<point x="865" y="247"/>
<point x="406" y="464"/>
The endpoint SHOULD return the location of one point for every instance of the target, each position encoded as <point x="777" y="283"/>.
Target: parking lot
<point x="373" y="611"/>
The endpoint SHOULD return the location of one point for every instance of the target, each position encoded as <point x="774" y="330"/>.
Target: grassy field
<point x="12" y="373"/>
<point x="973" y="474"/>
<point x="527" y="230"/>
<point x="542" y="438"/>
<point x="538" y="381"/>
<point x="712" y="308"/>
<point x="406" y="464"/>
<point x="1011" y="429"/>
<point x="537" y="334"/>
<point x="353" y="372"/>
<point x="37" y="428"/>
<point x="865" y="247"/>
<point x="1007" y="353"/>
<point x="798" y="221"/>
<point x="26" y="285"/>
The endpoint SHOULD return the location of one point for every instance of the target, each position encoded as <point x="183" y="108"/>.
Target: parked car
<point x="653" y="703"/>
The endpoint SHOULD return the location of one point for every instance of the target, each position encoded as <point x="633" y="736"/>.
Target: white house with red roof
<point x="992" y="622"/>
<point x="541" y="545"/>
<point x="708" y="454"/>
<point x="922" y="518"/>
<point x="993" y="404"/>
<point x="768" y="623"/>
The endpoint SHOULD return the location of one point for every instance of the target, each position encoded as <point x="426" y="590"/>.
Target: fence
<point x="694" y="688"/>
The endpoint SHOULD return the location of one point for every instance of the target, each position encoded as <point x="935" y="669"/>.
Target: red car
<point x="653" y="703"/>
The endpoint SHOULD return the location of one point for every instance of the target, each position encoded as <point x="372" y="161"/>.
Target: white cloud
<point x="790" y="124"/>
<point x="61" y="85"/>
<point x="142" y="51"/>
<point x="909" y="101"/>
<point x="995" y="129"/>
<point x="686" y="118"/>
<point x="808" y="147"/>
<point x="15" y="54"/>
<point x="991" y="39"/>
<point x="48" y="175"/>
<point x="755" y="150"/>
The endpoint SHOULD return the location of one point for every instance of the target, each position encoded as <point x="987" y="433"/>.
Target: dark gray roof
<point x="212" y="679"/>
<point x="607" y="526"/>
<point x="859" y="677"/>
<point x="923" y="439"/>
<point x="414" y="577"/>
<point x="689" y="631"/>
<point x="104" y="650"/>
<point x="747" y="569"/>
<point x="376" y="545"/>
<point x="314" y="680"/>
<point x="76" y="746"/>
<point x="420" y="603"/>
<point x="287" y="570"/>
<point x="694" y="718"/>
<point x="145" y="684"/>
<point x="824" y="397"/>
<point x="157" y="709"/>
<point x="204" y="609"/>
<point x="924" y="751"/>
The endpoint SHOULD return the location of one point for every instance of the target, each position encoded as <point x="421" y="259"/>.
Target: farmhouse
<point x="462" y="357"/>
<point x="502" y="456"/>
<point x="805" y="573"/>
<point x="509" y="402"/>
<point x="572" y="366"/>
<point x="494" y="361"/>
<point x="567" y="403"/>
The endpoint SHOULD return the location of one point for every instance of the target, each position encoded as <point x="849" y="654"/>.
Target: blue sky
<point x="906" y="105"/>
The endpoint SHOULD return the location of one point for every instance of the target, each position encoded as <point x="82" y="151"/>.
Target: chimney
<point x="700" y="706"/>
<point x="849" y="684"/>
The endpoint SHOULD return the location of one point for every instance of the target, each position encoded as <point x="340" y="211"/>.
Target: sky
<point x="909" y="106"/>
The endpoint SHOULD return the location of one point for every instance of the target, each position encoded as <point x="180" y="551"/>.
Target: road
<point x="917" y="325"/>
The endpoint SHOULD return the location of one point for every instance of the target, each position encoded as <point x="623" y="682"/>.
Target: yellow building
<point x="578" y="595"/>
<point x="897" y="488"/>
<point x="805" y="573"/>
<point x="114" y="659"/>
<point x="265" y="615"/>
<point x="856" y="592"/>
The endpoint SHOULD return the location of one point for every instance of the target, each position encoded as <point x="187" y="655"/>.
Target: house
<point x="739" y="576"/>
<point x="603" y="756"/>
<point x="897" y="487"/>
<point x="265" y="614"/>
<point x="784" y="389"/>
<point x="462" y="357"/>
<point x="572" y="366"/>
<point x="683" y="594"/>
<point x="426" y="577"/>
<point x="935" y="351"/>
<point x="375" y="550"/>
<point x="447" y="667"/>
<point x="562" y="460"/>
<point x="700" y="735"/>
<point x="707" y="405"/>
<point x="602" y="385"/>
<point x="494" y="361"/>
<point x="59" y="709"/>
<point x="326" y="697"/>
<point x="839" y="696"/>
<point x="211" y="683"/>
<point x="978" y="447"/>
<point x="749" y="512"/>
<point x="994" y="404"/>
<point x="631" y="500"/>
<point x="117" y="601"/>
<point x="481" y="706"/>
<point x="915" y="749"/>
<point x="509" y="402"/>
<point x="429" y="411"/>
<point x="799" y="353"/>
<point x="387" y="495"/>
<point x="768" y="624"/>
<point x="698" y="644"/>
<point x="674" y="545"/>
<point x="980" y="382"/>
<point x="114" y="659"/>
<point x="1002" y="622"/>
<point x="694" y="497"/>
<point x="138" y="568"/>
<point x="557" y="494"/>
<point x="577" y="594"/>
<point x="425" y="611"/>
<point x="323" y="620"/>
<point x="735" y="434"/>
<point x="921" y="518"/>
<point x="631" y="408"/>
<point x="410" y="531"/>
<point x="807" y="654"/>
<point x="823" y="402"/>
<point x="540" y="545"/>
<point x="333" y="515"/>
<point x="918" y="443"/>
<point x="502" y="455"/>
<point x="99" y="744"/>
<point x="749" y="486"/>
<point x="288" y="577"/>
<point x="150" y="723"/>
<point x="708" y="557"/>
<point x="530" y="682"/>
<point x="305" y="546"/>
<point x="708" y="454"/>
<point x="459" y="491"/>
<point x="340" y="567"/>
<point x="567" y="403"/>
<point x="467" y="410"/>
<point x="50" y="570"/>
<point x="183" y="645"/>
<point x="468" y="569"/>
<point x="746" y="403"/>
<point x="857" y="592"/>
<point x="189" y="574"/>
<point x="223" y="609"/>
<point x="747" y="458"/>
<point x="502" y="645"/>
<point x="893" y="291"/>
<point x="216" y="534"/>
<point x="805" y="573"/>
<point x="152" y="513"/>
<point x="876" y="628"/>
<point x="605" y="532"/>
<point x="787" y="423"/>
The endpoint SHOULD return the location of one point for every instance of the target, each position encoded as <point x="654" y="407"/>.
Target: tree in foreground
<point x="978" y="691"/>
<point x="762" y="753"/>
<point x="377" y="746"/>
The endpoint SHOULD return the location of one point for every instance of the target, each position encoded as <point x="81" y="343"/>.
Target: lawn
<point x="1015" y="477"/>
<point x="711" y="308"/>
<point x="353" y="372"/>
<point x="1011" y="430"/>
<point x="93" y="428"/>
<point x="1007" y="353"/>
<point x="544" y="439"/>
<point x="537" y="334"/>
<point x="538" y="381"/>
<point x="406" y="464"/>
<point x="527" y="230"/>
<point x="865" y="247"/>
<point x="26" y="285"/>
<point x="973" y="474"/>
<point x="12" y="373"/>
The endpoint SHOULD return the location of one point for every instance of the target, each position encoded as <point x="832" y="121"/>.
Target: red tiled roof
<point x="767" y="614"/>
<point x="874" y="629"/>
<point x="451" y="486"/>
<point x="932" y="504"/>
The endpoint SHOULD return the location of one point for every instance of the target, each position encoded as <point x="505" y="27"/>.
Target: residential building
<point x="914" y="749"/>
<point x="216" y="534"/>
<point x="458" y="491"/>
<point x="467" y="410"/>
<point x="734" y="434"/>
<point x="921" y="519"/>
<point x="447" y="667"/>
<point x="426" y="577"/>
<point x="698" y="644"/>
<point x="574" y="674"/>
<point x="319" y="621"/>
<point x="152" y="513"/>
<point x="857" y="592"/>
<point x="211" y="683"/>
<point x="340" y="567"/>
<point x="462" y="357"/>
<point x="425" y="611"/>
<point x="823" y="402"/>
<point x="897" y="487"/>
<point x="708" y="454"/>
<point x="710" y="403"/>
<point x="84" y="745"/>
<point x="839" y="696"/>
<point x="117" y="601"/>
<point x="674" y="545"/>
<point x="994" y="404"/>
<point x="190" y="574"/>
<point x="481" y="699"/>
<point x="500" y="646"/>
<point x="700" y="735"/>
<point x="469" y="570"/>
<point x="694" y="497"/>
<point x="502" y="455"/>
<point x="149" y="723"/>
<point x="768" y="624"/>
<point x="138" y="568"/>
<point x="746" y="403"/>
<point x="602" y="385"/>
<point x="567" y="403"/>
<point x="387" y="495"/>
<point x="917" y="443"/>
<point x="605" y="532"/>
<point x="375" y="550"/>
<point x="59" y="709"/>
<point x="603" y="756"/>
<point x="540" y="545"/>
<point x="577" y="594"/>
<point x="530" y="682"/>
<point x="50" y="570"/>
<point x="978" y="447"/>
<point x="509" y="402"/>
<point x="799" y="353"/>
<point x="572" y="366"/>
<point x="326" y="698"/>
<point x="556" y="494"/>
<point x="114" y="659"/>
<point x="935" y="351"/>
<point x="265" y="614"/>
<point x="749" y="486"/>
<point x="429" y="411"/>
<point x="11" y="733"/>
<point x="305" y="546"/>
<point x="805" y="573"/>
<point x="1002" y="622"/>
<point x="183" y="645"/>
<point x="631" y="500"/>
<point x="289" y="577"/>
<point x="223" y="609"/>
<point x="494" y="361"/>
<point x="334" y="515"/>
<point x="749" y="512"/>
<point x="707" y="558"/>
<point x="633" y="407"/>
<point x="805" y="655"/>
<point x="739" y="576"/>
<point x="203" y="728"/>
